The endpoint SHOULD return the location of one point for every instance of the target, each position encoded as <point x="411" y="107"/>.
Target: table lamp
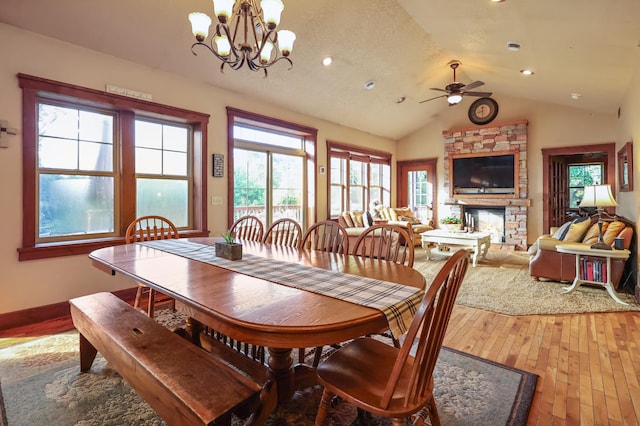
<point x="598" y="196"/>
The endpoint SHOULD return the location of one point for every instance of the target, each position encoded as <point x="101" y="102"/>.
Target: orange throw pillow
<point x="594" y="232"/>
<point x="613" y="230"/>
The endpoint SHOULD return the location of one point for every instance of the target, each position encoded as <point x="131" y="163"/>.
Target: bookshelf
<point x="593" y="266"/>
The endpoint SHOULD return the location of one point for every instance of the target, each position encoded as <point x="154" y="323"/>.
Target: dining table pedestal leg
<point x="281" y="371"/>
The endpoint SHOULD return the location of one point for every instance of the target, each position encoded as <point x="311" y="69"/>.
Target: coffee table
<point x="479" y="242"/>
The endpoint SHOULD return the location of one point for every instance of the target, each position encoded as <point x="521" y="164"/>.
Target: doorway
<point x="416" y="187"/>
<point x="556" y="183"/>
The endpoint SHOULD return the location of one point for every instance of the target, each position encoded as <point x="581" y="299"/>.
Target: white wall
<point x="549" y="126"/>
<point x="41" y="282"/>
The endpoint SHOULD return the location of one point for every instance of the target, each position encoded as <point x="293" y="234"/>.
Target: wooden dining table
<point x="258" y="311"/>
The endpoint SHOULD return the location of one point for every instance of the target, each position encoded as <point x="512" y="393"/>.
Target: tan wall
<point x="41" y="282"/>
<point x="549" y="126"/>
<point x="629" y="130"/>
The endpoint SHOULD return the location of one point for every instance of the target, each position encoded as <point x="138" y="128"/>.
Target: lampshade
<point x="223" y="9"/>
<point x="271" y="10"/>
<point x="285" y="41"/>
<point x="598" y="196"/>
<point x="200" y="23"/>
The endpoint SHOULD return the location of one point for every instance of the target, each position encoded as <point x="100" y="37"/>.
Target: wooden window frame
<point x="35" y="89"/>
<point x="350" y="152"/>
<point x="310" y="143"/>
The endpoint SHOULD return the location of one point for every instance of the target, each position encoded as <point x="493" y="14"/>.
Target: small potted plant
<point x="451" y="223"/>
<point x="228" y="249"/>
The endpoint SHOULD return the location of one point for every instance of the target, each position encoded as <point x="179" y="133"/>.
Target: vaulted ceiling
<point x="588" y="47"/>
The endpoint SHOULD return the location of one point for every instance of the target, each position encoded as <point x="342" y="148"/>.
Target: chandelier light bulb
<point x="200" y="23"/>
<point x="222" y="45"/>
<point x="265" y="54"/>
<point x="271" y="10"/>
<point x="285" y="41"/>
<point x="223" y="9"/>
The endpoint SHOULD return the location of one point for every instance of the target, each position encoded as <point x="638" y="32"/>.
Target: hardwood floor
<point x="589" y="364"/>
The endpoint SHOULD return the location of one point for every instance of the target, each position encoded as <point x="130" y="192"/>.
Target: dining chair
<point x="387" y="242"/>
<point x="147" y="228"/>
<point x="396" y="382"/>
<point x="284" y="232"/>
<point x="326" y="235"/>
<point x="248" y="228"/>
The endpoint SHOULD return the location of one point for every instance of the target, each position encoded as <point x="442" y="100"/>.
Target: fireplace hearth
<point x="487" y="219"/>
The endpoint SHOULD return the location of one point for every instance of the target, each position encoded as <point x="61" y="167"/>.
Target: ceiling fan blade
<point x="438" y="89"/>
<point x="473" y="85"/>
<point x="437" y="97"/>
<point x="480" y="94"/>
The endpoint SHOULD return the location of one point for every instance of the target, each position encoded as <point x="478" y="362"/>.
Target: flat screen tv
<point x="490" y="174"/>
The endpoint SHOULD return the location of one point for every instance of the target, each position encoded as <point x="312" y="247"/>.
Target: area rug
<point x="41" y="384"/>
<point x="501" y="283"/>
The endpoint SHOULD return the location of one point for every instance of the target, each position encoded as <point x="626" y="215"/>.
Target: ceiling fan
<point x="455" y="91"/>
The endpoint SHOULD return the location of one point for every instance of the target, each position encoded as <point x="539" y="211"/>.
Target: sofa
<point x="355" y="222"/>
<point x="546" y="262"/>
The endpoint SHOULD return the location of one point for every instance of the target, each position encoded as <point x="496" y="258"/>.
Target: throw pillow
<point x="367" y="219"/>
<point x="409" y="219"/>
<point x="612" y="232"/>
<point x="560" y="232"/>
<point x="592" y="234"/>
<point x="347" y="219"/>
<point x="392" y="214"/>
<point x="577" y="229"/>
<point x="404" y="211"/>
<point x="357" y="219"/>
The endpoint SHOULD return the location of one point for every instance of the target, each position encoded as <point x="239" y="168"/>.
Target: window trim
<point x="37" y="88"/>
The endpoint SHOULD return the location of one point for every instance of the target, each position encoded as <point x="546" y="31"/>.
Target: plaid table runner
<point x="398" y="302"/>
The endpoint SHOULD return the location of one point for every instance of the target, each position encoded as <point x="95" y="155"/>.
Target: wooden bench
<point x="182" y="383"/>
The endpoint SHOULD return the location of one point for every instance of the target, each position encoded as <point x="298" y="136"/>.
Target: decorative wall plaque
<point x="218" y="165"/>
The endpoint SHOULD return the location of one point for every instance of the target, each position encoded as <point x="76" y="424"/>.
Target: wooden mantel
<point x="488" y="202"/>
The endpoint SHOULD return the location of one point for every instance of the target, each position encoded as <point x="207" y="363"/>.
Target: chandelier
<point x="246" y="36"/>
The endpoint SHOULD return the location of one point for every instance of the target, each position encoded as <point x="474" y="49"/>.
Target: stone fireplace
<point x="493" y="211"/>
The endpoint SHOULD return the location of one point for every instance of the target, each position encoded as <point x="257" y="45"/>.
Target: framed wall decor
<point x="218" y="165"/>
<point x="625" y="167"/>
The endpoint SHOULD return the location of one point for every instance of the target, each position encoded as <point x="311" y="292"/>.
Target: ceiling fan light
<point x="454" y="99"/>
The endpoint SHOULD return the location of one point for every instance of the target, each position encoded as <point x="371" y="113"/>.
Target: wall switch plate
<point x="216" y="201"/>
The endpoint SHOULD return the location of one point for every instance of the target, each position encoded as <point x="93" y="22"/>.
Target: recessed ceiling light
<point x="576" y="96"/>
<point x="514" y="46"/>
<point x="526" y="72"/>
<point x="370" y="85"/>
<point x="497" y="1"/>
<point x="327" y="61"/>
<point x="401" y="99"/>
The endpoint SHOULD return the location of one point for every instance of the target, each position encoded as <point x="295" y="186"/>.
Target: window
<point x="273" y="168"/>
<point x="93" y="162"/>
<point x="357" y="177"/>
<point x="163" y="175"/>
<point x="581" y="175"/>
